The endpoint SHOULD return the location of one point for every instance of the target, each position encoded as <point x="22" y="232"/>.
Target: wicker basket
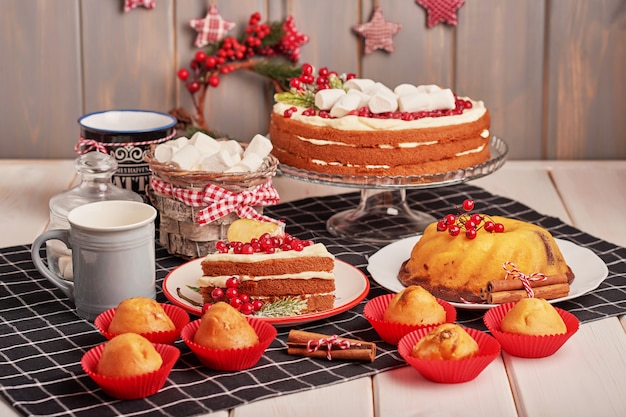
<point x="179" y="232"/>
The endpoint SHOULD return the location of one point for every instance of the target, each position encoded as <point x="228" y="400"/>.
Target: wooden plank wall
<point x="551" y="71"/>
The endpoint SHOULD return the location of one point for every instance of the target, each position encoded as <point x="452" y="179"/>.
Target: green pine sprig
<point x="306" y="99"/>
<point x="284" y="307"/>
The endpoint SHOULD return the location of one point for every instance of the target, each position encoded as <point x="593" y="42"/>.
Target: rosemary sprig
<point x="291" y="306"/>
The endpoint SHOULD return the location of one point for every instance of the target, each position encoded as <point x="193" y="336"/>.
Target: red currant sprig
<point x="238" y="300"/>
<point x="230" y="54"/>
<point x="309" y="81"/>
<point x="471" y="223"/>
<point x="266" y="243"/>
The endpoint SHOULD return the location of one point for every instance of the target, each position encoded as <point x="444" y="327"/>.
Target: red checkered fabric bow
<point x="221" y="202"/>
<point x="131" y="4"/>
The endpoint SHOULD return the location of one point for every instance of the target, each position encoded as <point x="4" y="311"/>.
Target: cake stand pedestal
<point x="383" y="214"/>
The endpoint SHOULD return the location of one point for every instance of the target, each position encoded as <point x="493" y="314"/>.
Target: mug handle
<point x="64" y="236"/>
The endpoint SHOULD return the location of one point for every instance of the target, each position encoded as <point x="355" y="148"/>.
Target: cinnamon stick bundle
<point x="316" y="345"/>
<point x="516" y="284"/>
<point x="547" y="292"/>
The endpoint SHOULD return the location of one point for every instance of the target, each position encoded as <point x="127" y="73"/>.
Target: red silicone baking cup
<point x="450" y="371"/>
<point x="231" y="359"/>
<point x="525" y="346"/>
<point x="392" y="332"/>
<point x="133" y="387"/>
<point x="179" y="317"/>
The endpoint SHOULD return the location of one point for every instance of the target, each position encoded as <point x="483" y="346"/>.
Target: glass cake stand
<point x="383" y="214"/>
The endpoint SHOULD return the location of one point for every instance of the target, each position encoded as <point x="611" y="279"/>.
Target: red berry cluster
<point x="307" y="78"/>
<point x="264" y="244"/>
<point x="289" y="45"/>
<point x="207" y="67"/>
<point x="240" y="301"/>
<point x="470" y="223"/>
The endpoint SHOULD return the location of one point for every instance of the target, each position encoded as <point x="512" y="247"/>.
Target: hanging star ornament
<point x="441" y="11"/>
<point x="378" y="32"/>
<point x="212" y="28"/>
<point x="131" y="4"/>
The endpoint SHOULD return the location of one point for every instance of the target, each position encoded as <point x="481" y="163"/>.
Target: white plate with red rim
<point x="351" y="287"/>
<point x="589" y="270"/>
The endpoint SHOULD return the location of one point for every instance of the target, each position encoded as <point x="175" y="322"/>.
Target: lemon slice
<point x="244" y="230"/>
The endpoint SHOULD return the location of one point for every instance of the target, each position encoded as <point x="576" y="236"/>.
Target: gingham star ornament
<point x="441" y="11"/>
<point x="131" y="4"/>
<point x="378" y="32"/>
<point x="212" y="28"/>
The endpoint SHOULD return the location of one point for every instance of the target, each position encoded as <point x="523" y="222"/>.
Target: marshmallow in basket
<point x="204" y="153"/>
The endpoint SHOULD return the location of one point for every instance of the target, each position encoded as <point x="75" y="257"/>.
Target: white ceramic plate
<point x="351" y="286"/>
<point x="589" y="270"/>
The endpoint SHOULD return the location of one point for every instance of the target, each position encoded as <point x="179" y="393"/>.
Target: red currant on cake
<point x="471" y="223"/>
<point x="468" y="205"/>
<point x="246" y="308"/>
<point x="232" y="282"/>
<point x="217" y="294"/>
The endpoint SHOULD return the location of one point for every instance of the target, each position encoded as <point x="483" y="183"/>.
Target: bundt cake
<point x="455" y="268"/>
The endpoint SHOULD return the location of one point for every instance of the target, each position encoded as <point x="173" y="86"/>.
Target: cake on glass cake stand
<point x="383" y="214"/>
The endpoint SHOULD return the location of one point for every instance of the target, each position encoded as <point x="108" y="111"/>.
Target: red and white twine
<point x="87" y="145"/>
<point x="219" y="202"/>
<point x="328" y="342"/>
<point x="513" y="273"/>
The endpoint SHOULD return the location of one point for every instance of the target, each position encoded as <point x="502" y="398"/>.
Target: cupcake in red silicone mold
<point x="226" y="340"/>
<point x="444" y="364"/>
<point x="129" y="367"/>
<point x="395" y="315"/>
<point x="157" y="322"/>
<point x="531" y="327"/>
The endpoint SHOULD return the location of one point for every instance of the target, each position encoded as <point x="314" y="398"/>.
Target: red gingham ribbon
<point x="329" y="342"/>
<point x="514" y="273"/>
<point x="221" y="202"/>
<point x="87" y="145"/>
<point x="131" y="4"/>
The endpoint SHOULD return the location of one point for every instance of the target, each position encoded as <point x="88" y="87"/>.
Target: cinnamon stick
<point x="547" y="292"/>
<point x="316" y="345"/>
<point x="516" y="284"/>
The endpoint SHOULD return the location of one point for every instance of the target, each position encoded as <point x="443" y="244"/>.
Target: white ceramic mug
<point x="113" y="255"/>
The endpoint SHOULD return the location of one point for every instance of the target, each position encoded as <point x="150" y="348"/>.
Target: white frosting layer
<point x="317" y="250"/>
<point x="321" y="142"/>
<point x="358" y="123"/>
<point x="220" y="281"/>
<point x="321" y="162"/>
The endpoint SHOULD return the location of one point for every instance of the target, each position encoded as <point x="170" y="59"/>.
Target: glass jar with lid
<point x="96" y="170"/>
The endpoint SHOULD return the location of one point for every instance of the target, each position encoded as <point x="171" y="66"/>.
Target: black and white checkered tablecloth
<point x="42" y="341"/>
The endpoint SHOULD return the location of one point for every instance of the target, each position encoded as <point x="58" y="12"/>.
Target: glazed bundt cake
<point x="455" y="268"/>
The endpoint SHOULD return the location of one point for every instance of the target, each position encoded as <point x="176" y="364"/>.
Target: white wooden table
<point x="587" y="377"/>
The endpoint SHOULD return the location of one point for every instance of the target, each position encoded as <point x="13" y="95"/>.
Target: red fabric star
<point x="131" y="4"/>
<point x="212" y="28"/>
<point x="441" y="10"/>
<point x="378" y="32"/>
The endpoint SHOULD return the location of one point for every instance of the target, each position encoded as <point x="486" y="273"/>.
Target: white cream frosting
<point x="321" y="142"/>
<point x="220" y="281"/>
<point x="470" y="151"/>
<point x="358" y="123"/>
<point x="317" y="250"/>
